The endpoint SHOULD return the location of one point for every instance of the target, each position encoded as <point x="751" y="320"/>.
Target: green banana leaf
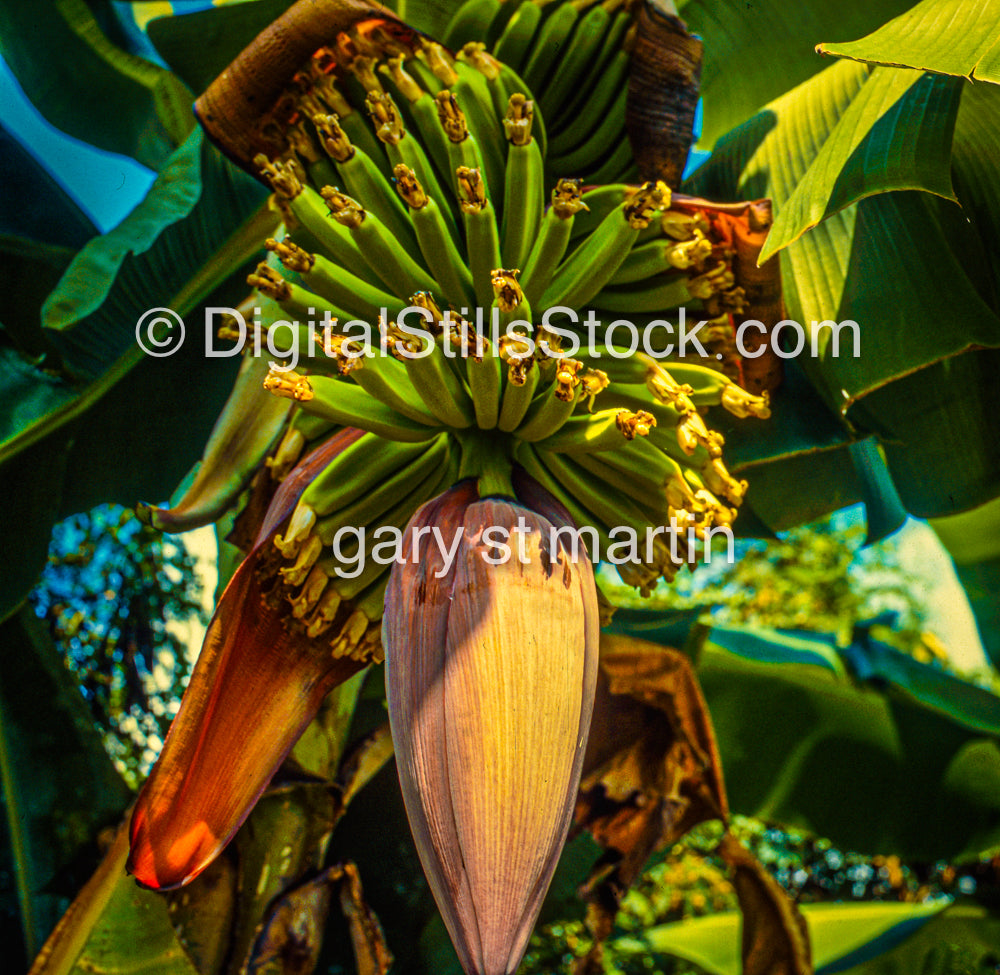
<point x="949" y="36"/>
<point x="199" y="46"/>
<point x="862" y="745"/>
<point x="41" y="228"/>
<point x="853" y="939"/>
<point x="34" y="205"/>
<point x="74" y="74"/>
<point x="938" y="262"/>
<point x="112" y="911"/>
<point x="59" y="785"/>
<point x="68" y="426"/>
<point x="975" y="149"/>
<point x="894" y="135"/>
<point x="755" y="52"/>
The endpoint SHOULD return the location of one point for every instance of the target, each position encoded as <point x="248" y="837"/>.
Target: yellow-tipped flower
<point x="491" y="662"/>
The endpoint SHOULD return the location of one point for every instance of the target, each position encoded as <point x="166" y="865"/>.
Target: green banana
<point x="335" y="284"/>
<point x="443" y="392"/>
<point x="383" y="377"/>
<point x="403" y="149"/>
<point x="294" y="300"/>
<point x="436" y="243"/>
<point x="552" y="240"/>
<point x="333" y="102"/>
<point x="549" y="45"/>
<point x="586" y="433"/>
<point x="577" y="61"/>
<point x="600" y="201"/>
<point x="309" y="209"/>
<point x="552" y="407"/>
<point x="659" y="296"/>
<point x="618" y="167"/>
<point x="349" y="475"/>
<point x="643" y="261"/>
<point x="348" y="405"/>
<point x="470" y="22"/>
<point x="517" y="397"/>
<point x="397" y="269"/>
<point x="364" y="180"/>
<point x="514" y="44"/>
<point x="481" y="235"/>
<point x="371" y="505"/>
<point x="591" y="265"/>
<point x="524" y="184"/>
<point x="586" y="117"/>
<point x="485" y="124"/>
<point x="483" y="371"/>
<point x="600" y="137"/>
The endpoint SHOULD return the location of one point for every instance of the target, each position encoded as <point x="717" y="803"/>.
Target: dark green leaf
<point x="88" y="87"/>
<point x="756" y="51"/>
<point x="975" y="150"/>
<point x="199" y="46"/>
<point x="939" y="433"/>
<point x="58" y="782"/>
<point x="156" y="413"/>
<point x="112" y="912"/>
<point x="33" y="204"/>
<point x="903" y="770"/>
<point x="883" y="509"/>
<point x="949" y="36"/>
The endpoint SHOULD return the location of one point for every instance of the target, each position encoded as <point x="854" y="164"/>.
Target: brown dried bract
<point x="236" y="104"/>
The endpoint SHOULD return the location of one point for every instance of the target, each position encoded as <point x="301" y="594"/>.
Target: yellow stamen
<point x="451" y="117"/>
<point x="289" y="385"/>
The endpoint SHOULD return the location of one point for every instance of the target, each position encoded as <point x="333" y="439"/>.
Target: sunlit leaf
<point x="895" y="135"/>
<point x="835" y="274"/>
<point x="836" y="931"/>
<point x="949" y="36"/>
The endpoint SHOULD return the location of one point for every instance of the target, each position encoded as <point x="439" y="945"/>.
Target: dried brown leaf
<point x="775" y="936"/>
<point x="651" y="770"/>
<point x="371" y="953"/>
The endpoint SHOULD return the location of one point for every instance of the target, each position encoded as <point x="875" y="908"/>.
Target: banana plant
<point x="532" y="160"/>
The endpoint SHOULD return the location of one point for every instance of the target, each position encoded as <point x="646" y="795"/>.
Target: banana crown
<point x="435" y="212"/>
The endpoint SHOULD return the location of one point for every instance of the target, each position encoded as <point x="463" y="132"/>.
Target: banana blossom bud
<point x="491" y="665"/>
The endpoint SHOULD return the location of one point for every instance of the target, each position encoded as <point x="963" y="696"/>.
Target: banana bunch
<point x="574" y="56"/>
<point x="424" y="243"/>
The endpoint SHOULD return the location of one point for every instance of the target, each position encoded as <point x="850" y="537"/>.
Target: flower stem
<point x="487" y="458"/>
